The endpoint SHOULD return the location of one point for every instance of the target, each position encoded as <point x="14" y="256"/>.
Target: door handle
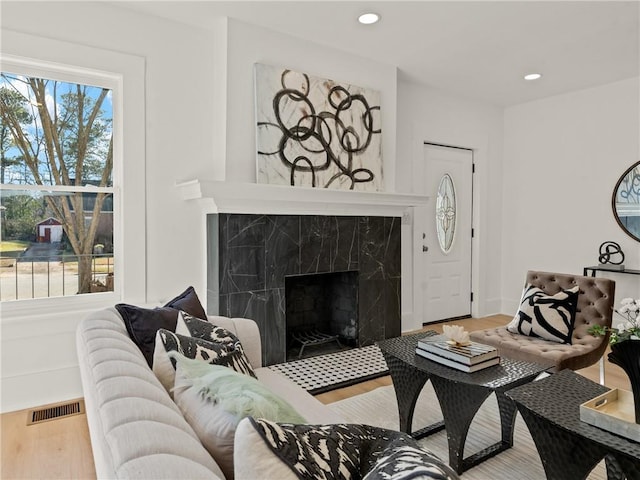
<point x="425" y="248"/>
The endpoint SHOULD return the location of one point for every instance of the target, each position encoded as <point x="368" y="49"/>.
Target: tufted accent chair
<point x="595" y="307"/>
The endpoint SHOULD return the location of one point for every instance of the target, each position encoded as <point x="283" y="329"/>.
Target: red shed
<point x="49" y="231"/>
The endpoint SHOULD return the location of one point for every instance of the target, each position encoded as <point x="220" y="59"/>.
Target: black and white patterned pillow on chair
<point x="550" y="317"/>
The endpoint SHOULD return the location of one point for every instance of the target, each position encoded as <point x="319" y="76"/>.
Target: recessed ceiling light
<point x="368" y="18"/>
<point x="533" y="76"/>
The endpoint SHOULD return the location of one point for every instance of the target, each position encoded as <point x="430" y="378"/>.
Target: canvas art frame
<point x="315" y="132"/>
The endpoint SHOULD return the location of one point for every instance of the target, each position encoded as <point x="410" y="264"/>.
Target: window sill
<point x="16" y="310"/>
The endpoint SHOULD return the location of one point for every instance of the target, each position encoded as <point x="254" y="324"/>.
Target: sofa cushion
<point x="541" y="315"/>
<point x="306" y="405"/>
<point x="214" y="399"/>
<point x="143" y="323"/>
<point x="224" y="354"/>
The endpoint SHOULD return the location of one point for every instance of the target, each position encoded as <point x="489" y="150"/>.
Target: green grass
<point x="13" y="245"/>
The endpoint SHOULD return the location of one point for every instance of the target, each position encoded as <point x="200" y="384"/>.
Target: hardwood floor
<point x="57" y="449"/>
<point x="61" y="449"/>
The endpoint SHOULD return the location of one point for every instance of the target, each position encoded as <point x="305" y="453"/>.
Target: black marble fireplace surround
<point x="250" y="255"/>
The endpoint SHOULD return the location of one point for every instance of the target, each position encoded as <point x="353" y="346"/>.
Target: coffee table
<point x="570" y="448"/>
<point x="460" y="395"/>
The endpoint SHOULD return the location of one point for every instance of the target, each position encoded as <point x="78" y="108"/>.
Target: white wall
<point x="185" y="128"/>
<point x="562" y="158"/>
<point x="183" y="133"/>
<point x="248" y="44"/>
<point x="428" y="115"/>
<point x="38" y="350"/>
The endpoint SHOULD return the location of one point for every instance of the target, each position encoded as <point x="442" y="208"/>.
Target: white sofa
<point x="137" y="431"/>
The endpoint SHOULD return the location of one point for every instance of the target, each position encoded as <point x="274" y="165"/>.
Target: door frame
<point x="479" y="144"/>
<point x="431" y="205"/>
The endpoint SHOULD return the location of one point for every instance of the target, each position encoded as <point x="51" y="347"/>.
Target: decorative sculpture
<point x="611" y="254"/>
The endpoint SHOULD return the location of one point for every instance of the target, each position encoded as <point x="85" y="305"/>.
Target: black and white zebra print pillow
<point x="546" y="316"/>
<point x="340" y="451"/>
<point x="191" y="326"/>
<point x="195" y="348"/>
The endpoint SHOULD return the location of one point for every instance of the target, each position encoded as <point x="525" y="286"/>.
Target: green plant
<point x="629" y="330"/>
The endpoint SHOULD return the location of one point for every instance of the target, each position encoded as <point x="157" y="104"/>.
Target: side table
<point x="459" y="394"/>
<point x="570" y="448"/>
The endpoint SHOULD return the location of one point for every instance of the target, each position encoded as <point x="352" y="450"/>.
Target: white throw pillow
<point x="213" y="399"/>
<point x="254" y="459"/>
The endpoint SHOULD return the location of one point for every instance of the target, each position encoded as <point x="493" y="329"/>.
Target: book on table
<point x="457" y="365"/>
<point x="468" y="354"/>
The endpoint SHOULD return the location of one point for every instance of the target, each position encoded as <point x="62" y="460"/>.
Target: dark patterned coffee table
<point x="460" y="395"/>
<point x="570" y="448"/>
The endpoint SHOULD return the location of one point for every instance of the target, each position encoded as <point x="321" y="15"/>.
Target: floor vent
<point x="53" y="412"/>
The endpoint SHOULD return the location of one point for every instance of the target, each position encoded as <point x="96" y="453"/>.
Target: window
<point x="124" y="76"/>
<point x="56" y="197"/>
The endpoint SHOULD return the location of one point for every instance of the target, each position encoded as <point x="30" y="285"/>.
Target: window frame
<point x="124" y="75"/>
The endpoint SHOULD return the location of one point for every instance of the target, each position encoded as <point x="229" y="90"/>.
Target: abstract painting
<point x="315" y="132"/>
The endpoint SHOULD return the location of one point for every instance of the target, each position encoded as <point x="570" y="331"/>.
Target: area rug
<point x="522" y="462"/>
<point x="335" y="370"/>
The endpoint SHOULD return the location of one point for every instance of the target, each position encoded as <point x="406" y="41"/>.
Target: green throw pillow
<point x="238" y="394"/>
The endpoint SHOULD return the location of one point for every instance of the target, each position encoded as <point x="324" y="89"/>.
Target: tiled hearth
<point x="249" y="256"/>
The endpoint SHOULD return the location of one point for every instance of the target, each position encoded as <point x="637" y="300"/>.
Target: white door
<point x="446" y="247"/>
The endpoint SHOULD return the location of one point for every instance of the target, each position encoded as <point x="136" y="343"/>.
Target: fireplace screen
<point x="321" y="312"/>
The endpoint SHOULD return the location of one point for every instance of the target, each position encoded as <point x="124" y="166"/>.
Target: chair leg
<point x="601" y="363"/>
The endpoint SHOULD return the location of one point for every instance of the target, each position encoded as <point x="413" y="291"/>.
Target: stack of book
<point x="469" y="358"/>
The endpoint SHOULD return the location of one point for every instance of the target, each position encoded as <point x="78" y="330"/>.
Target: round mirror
<point x="626" y="201"/>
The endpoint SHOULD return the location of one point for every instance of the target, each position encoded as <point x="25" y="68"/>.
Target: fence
<point x="51" y="276"/>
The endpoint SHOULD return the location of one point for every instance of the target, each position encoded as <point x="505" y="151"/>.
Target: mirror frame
<point x="613" y="200"/>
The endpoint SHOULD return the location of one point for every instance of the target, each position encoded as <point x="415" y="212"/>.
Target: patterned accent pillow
<point x="191" y="326"/>
<point x="195" y="348"/>
<point x="339" y="451"/>
<point x="550" y="317"/>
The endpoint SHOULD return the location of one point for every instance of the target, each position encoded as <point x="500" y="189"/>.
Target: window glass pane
<point x="56" y="235"/>
<point x="446" y="213"/>
<point x="55" y="133"/>
<point x="55" y="243"/>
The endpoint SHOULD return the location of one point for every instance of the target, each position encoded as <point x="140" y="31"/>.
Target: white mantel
<point x="228" y="197"/>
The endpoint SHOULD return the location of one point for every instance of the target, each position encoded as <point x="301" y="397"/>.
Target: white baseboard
<point x="409" y="323"/>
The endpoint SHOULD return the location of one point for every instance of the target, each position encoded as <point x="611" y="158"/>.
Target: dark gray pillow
<point x="143" y="323"/>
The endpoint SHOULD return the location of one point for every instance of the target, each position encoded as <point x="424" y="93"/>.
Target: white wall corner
<point x="220" y="83"/>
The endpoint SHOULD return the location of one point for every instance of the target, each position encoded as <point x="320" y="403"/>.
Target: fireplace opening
<point x="321" y="313"/>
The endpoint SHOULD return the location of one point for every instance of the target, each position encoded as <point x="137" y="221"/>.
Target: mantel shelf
<point x="229" y="197"/>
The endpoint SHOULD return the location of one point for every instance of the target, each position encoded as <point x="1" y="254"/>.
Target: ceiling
<point x="475" y="49"/>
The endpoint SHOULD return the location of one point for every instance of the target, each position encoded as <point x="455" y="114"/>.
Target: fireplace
<point x="321" y="313"/>
<point x="251" y="257"/>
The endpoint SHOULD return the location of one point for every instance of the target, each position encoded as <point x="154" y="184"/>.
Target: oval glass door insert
<point x="446" y="213"/>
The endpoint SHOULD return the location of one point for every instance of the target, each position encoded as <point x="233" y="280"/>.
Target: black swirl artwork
<point x="314" y="132"/>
